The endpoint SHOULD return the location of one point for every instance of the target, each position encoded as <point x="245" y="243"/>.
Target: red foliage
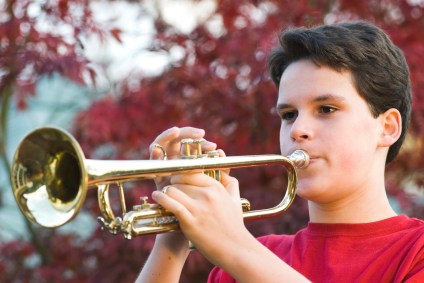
<point x="27" y="53"/>
<point x="226" y="90"/>
<point x="222" y="86"/>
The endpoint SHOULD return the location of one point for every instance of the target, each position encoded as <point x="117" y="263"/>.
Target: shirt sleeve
<point x="215" y="275"/>
<point x="218" y="275"/>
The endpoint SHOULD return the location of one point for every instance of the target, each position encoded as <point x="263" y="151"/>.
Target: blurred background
<point x="118" y="73"/>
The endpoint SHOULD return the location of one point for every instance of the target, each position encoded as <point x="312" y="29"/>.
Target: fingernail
<point x="210" y="143"/>
<point x="199" y="131"/>
<point x="155" y="194"/>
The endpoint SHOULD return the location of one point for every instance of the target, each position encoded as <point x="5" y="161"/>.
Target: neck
<point x="368" y="205"/>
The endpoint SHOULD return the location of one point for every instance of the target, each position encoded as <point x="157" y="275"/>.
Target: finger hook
<point x="163" y="150"/>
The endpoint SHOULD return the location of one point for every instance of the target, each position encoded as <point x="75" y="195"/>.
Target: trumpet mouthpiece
<point x="300" y="159"/>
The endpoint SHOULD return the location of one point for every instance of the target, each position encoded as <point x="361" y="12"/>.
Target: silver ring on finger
<point x="165" y="189"/>
<point x="163" y="150"/>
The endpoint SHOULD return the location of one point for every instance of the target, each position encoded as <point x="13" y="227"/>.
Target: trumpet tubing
<point x="50" y="177"/>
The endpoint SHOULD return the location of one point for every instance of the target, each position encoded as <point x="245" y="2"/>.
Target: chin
<point x="310" y="189"/>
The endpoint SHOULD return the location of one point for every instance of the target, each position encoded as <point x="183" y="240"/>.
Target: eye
<point x="327" y="109"/>
<point x="289" y="115"/>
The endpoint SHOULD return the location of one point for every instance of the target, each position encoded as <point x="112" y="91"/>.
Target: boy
<point x="345" y="98"/>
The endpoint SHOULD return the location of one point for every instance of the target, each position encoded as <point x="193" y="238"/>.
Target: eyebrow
<point x="321" y="98"/>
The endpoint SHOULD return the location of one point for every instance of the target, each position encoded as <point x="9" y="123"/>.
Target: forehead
<point x="304" y="81"/>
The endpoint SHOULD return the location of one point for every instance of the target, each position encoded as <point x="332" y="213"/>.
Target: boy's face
<point x="322" y="113"/>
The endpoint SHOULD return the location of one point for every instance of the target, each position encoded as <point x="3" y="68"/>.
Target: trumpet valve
<point x="198" y="143"/>
<point x="212" y="153"/>
<point x="186" y="143"/>
<point x="245" y="205"/>
<point x="144" y="204"/>
<point x="216" y="174"/>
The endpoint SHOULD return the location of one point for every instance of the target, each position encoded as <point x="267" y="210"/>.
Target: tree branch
<point x="3" y="120"/>
<point x="8" y="90"/>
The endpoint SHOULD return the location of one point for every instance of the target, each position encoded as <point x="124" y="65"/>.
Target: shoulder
<point x="405" y="239"/>
<point x="412" y="227"/>
<point x="413" y="258"/>
<point x="414" y="222"/>
<point x="414" y="230"/>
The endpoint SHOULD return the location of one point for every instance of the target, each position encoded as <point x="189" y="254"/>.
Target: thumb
<point x="231" y="184"/>
<point x="222" y="154"/>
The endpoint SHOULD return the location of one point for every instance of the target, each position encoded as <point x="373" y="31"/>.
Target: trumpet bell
<point x="48" y="177"/>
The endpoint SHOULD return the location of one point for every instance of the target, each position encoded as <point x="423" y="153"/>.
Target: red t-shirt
<point x="390" y="250"/>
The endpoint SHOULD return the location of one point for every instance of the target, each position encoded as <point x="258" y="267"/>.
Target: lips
<point x="312" y="160"/>
<point x="311" y="156"/>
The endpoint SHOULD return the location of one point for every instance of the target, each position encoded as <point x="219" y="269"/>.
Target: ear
<point x="391" y="123"/>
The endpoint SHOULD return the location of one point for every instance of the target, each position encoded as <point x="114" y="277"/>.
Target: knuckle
<point x="209" y="196"/>
<point x="231" y="180"/>
<point x="152" y="146"/>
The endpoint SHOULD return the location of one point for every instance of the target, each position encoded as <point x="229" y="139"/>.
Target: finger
<point x="181" y="193"/>
<point x="196" y="179"/>
<point x="167" y="136"/>
<point x="157" y="152"/>
<point x="172" y="205"/>
<point x="231" y="184"/>
<point x="171" y="138"/>
<point x="191" y="132"/>
<point x="207" y="145"/>
<point x="184" y="133"/>
<point x="191" y="191"/>
<point x="163" y="139"/>
<point x="222" y="154"/>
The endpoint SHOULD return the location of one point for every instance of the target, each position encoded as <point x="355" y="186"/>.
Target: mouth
<point x="312" y="160"/>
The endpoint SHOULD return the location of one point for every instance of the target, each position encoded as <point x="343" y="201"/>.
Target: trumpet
<point x="50" y="177"/>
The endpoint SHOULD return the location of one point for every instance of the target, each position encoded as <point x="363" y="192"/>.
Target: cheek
<point x="285" y="141"/>
<point x="353" y="146"/>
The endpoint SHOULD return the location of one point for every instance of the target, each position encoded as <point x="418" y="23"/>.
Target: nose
<point x="301" y="129"/>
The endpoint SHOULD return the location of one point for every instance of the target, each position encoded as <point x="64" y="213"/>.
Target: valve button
<point x="145" y="204"/>
<point x="212" y="153"/>
<point x="199" y="142"/>
<point x="186" y="143"/>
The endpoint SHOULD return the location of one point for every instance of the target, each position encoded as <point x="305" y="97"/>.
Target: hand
<point x="209" y="212"/>
<point x="171" y="250"/>
<point x="171" y="141"/>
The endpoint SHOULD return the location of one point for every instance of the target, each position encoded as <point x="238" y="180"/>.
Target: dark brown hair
<point x="379" y="70"/>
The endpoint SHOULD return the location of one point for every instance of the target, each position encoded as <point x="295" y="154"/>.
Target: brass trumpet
<point x="50" y="177"/>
